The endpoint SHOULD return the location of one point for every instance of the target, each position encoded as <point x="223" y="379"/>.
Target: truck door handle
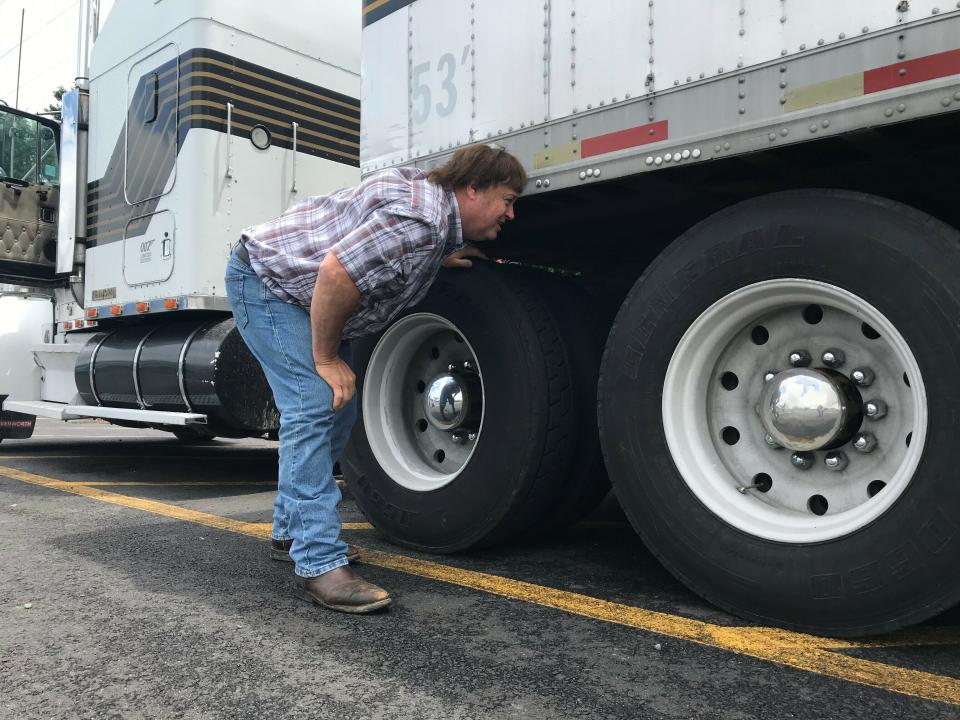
<point x="229" y="139"/>
<point x="295" y="125"/>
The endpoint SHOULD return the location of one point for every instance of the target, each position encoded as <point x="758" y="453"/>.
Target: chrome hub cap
<point x="451" y="402"/>
<point x="444" y="403"/>
<point x="807" y="453"/>
<point x="423" y="402"/>
<point x="809" y="409"/>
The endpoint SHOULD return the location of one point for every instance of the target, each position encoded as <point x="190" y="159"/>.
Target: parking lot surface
<point x="136" y="583"/>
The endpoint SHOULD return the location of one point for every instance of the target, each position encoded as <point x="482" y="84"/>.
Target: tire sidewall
<point x="904" y="264"/>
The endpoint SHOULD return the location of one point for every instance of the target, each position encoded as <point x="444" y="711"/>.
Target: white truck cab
<point x="192" y="121"/>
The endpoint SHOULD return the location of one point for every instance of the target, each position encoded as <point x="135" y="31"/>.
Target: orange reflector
<point x="90" y="323"/>
<point x="67" y="325"/>
<point x="78" y="323"/>
<point x="143" y="307"/>
<point x="93" y="312"/>
<point x="171" y="304"/>
<point x="116" y="309"/>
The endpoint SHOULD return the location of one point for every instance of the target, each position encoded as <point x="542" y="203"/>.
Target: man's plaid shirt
<point x="390" y="233"/>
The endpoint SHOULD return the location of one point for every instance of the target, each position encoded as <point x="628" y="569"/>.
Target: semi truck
<point x="189" y="121"/>
<point x="732" y="288"/>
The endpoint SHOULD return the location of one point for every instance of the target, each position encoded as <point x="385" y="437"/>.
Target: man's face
<point x="483" y="212"/>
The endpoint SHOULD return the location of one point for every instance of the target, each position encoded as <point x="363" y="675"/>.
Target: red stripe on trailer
<point x="623" y="139"/>
<point x="912" y="71"/>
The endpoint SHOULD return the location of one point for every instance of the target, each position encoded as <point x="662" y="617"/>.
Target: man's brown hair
<point x="482" y="166"/>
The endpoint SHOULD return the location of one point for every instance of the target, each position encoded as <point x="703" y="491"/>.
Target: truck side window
<point x="49" y="165"/>
<point x="19" y="145"/>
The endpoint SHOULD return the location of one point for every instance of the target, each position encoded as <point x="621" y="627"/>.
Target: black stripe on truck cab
<point x="374" y="10"/>
<point x="165" y="107"/>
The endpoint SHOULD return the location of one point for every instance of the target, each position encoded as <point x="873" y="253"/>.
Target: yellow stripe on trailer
<point x="824" y="93"/>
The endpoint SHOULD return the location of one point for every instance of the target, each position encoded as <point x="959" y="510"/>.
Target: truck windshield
<point x="28" y="151"/>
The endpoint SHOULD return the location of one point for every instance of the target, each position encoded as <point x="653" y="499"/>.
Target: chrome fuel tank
<point x="199" y="366"/>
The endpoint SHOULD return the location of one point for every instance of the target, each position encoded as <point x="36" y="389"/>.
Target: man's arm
<point x="335" y="297"/>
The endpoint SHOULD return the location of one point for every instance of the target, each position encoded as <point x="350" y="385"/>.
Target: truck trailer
<point x="750" y="207"/>
<point x="732" y="289"/>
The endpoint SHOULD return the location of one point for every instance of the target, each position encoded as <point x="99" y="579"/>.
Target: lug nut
<point x="835" y="460"/>
<point x="462" y="437"/>
<point x="467" y="365"/>
<point x="833" y="358"/>
<point x="769" y="375"/>
<point x="800" y="358"/>
<point x="802" y="460"/>
<point x="451" y="367"/>
<point x="875" y="409"/>
<point x="768" y="439"/>
<point x="865" y="442"/>
<point x="862" y="376"/>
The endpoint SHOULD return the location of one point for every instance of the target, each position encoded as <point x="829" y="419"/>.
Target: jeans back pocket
<point x="234" y="285"/>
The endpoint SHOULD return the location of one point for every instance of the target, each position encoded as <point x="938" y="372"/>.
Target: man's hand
<point x="338" y="375"/>
<point x="459" y="259"/>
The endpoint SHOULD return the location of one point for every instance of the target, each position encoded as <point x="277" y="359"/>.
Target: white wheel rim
<point x="697" y="407"/>
<point x="412" y="351"/>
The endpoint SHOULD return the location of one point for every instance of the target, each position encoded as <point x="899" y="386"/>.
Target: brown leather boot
<point x="341" y="589"/>
<point x="280" y="551"/>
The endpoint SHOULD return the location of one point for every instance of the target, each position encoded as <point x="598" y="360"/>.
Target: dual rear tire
<point x="851" y="541"/>
<point x="523" y="453"/>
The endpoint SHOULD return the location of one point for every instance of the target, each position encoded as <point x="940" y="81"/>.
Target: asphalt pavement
<point x="135" y="582"/>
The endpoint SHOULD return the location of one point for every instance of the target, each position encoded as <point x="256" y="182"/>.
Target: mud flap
<point x="14" y="425"/>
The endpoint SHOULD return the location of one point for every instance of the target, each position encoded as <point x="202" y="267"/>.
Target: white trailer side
<point x="754" y="204"/>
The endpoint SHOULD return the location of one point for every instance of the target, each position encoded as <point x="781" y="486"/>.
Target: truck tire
<point x="583" y="334"/>
<point x="481" y="467"/>
<point x="706" y="360"/>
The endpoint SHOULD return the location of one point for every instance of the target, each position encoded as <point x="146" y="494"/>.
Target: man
<point x="330" y="269"/>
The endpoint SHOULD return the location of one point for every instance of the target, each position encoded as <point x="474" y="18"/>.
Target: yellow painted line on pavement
<point x="219" y="453"/>
<point x="346" y="526"/>
<point x="177" y="483"/>
<point x="781" y="647"/>
<point x="97" y="437"/>
<point x="261" y="530"/>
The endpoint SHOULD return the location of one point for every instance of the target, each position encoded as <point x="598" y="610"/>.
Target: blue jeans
<point x="312" y="435"/>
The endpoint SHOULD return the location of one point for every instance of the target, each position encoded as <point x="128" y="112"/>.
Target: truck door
<point x="150" y="169"/>
<point x="29" y="197"/>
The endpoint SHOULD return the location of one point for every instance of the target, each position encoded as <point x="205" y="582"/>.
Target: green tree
<point x="56" y="106"/>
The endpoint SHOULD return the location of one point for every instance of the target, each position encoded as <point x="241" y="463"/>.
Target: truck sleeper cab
<point x="189" y="125"/>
